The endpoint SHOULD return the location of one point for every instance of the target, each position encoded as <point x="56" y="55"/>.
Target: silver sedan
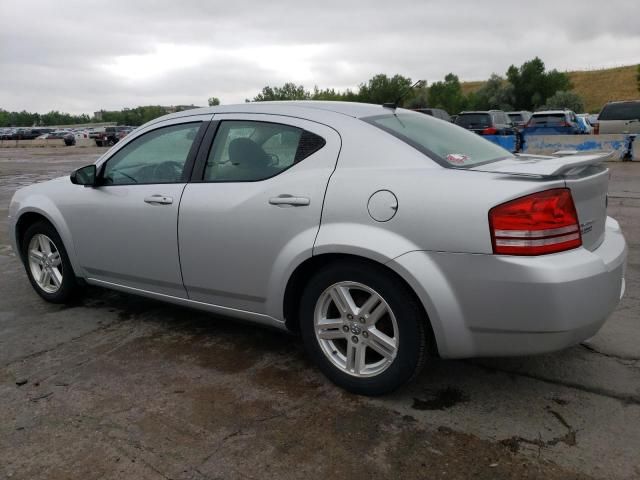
<point x="383" y="236"/>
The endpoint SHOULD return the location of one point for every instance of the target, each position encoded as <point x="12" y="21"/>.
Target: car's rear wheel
<point x="47" y="263"/>
<point x="363" y="328"/>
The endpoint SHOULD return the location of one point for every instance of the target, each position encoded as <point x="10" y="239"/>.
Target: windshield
<point x="474" y="120"/>
<point x="447" y="144"/>
<point x="621" y="111"/>
<point x="551" y="119"/>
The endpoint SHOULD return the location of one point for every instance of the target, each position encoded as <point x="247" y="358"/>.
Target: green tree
<point x="382" y="89"/>
<point x="533" y="85"/>
<point x="496" y="93"/>
<point x="447" y="94"/>
<point x="289" y="91"/>
<point x="331" y="94"/>
<point x="213" y="101"/>
<point x="419" y="98"/>
<point x="565" y="99"/>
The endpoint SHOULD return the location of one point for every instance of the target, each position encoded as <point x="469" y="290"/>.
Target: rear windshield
<point x="444" y="142"/>
<point x="474" y="120"/>
<point x="621" y="111"/>
<point x="516" y="117"/>
<point x="550" y="119"/>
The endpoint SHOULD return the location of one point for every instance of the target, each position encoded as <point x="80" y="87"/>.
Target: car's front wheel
<point x="363" y="328"/>
<point x="47" y="263"/>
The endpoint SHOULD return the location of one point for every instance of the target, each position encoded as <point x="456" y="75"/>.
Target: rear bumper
<point x="499" y="305"/>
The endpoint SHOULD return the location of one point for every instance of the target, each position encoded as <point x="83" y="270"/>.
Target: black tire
<point x="412" y="328"/>
<point x="69" y="286"/>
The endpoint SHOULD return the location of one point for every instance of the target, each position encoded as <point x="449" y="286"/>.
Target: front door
<point x="125" y="231"/>
<point x="255" y="207"/>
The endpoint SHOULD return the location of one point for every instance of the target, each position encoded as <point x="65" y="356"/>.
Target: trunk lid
<point x="583" y="174"/>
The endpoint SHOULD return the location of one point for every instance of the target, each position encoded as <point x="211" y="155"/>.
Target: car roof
<point x="547" y="112"/>
<point x="479" y="111"/>
<point x="310" y="109"/>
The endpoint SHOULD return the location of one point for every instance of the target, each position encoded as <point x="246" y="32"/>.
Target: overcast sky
<point x="81" y="56"/>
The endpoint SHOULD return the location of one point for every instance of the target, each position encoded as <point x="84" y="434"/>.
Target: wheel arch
<point x="305" y="270"/>
<point x="30" y="215"/>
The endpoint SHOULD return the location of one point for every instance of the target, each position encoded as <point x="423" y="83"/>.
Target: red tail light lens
<point x="541" y="223"/>
<point x="490" y="131"/>
<point x="596" y="129"/>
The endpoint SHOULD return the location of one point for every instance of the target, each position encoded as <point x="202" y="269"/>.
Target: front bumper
<point x="499" y="305"/>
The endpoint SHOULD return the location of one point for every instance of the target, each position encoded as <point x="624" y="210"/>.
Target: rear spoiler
<point x="543" y="166"/>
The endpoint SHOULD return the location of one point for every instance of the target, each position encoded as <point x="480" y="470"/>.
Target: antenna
<point x="394" y="105"/>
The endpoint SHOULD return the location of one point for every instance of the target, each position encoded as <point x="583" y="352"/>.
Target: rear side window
<point x="516" y="117"/>
<point x="443" y="142"/>
<point x="474" y="120"/>
<point x="548" y="119"/>
<point x="621" y="111"/>
<point x="246" y="151"/>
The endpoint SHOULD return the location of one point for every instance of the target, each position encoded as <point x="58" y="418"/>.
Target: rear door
<point x="253" y="207"/>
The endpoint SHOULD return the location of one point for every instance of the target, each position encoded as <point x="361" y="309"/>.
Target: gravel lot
<point x="118" y="386"/>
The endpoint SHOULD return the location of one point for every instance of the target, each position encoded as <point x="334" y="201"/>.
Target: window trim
<point x="188" y="164"/>
<point x="211" y="135"/>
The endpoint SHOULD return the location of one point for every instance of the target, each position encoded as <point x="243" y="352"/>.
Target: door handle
<point x="158" y="200"/>
<point x="289" y="200"/>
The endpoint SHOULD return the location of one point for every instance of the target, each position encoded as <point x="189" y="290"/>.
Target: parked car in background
<point x="519" y="119"/>
<point x="491" y="122"/>
<point x="435" y="112"/>
<point x="69" y="139"/>
<point x="620" y="117"/>
<point x="495" y="124"/>
<point x="110" y="136"/>
<point x="328" y="219"/>
<point x="553" y="122"/>
<point x="56" y="135"/>
<point x="583" y="123"/>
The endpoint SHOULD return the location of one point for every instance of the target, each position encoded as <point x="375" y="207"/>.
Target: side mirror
<point x="84" y="176"/>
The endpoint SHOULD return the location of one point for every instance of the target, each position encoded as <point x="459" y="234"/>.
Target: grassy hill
<point x="596" y="87"/>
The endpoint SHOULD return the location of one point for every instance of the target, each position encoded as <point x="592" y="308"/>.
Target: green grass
<point x="596" y="87"/>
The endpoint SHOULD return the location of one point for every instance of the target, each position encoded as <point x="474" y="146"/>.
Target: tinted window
<point x="442" y="141"/>
<point x="516" y="117"/>
<point x="548" y="119"/>
<point x="621" y="111"/>
<point x="474" y="120"/>
<point x="155" y="157"/>
<point x="248" y="151"/>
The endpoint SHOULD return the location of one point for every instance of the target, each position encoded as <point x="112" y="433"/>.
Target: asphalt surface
<point x="117" y="386"/>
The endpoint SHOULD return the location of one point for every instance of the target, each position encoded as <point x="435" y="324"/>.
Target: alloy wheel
<point x="45" y="263"/>
<point x="356" y="329"/>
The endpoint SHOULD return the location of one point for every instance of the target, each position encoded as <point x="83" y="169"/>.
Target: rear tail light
<point x="563" y="124"/>
<point x="596" y="129"/>
<point x="541" y="223"/>
<point x="490" y="131"/>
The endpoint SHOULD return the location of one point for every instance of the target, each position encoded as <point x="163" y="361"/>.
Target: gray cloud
<point x="80" y="56"/>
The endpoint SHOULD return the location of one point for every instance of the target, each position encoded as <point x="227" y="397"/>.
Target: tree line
<point x="127" y="116"/>
<point x="527" y="87"/>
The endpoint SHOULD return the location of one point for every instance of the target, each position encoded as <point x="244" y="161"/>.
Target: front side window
<point x="245" y="151"/>
<point x="443" y="142"/>
<point x="155" y="157"/>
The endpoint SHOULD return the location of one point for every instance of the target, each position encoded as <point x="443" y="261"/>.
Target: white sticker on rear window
<point x="457" y="158"/>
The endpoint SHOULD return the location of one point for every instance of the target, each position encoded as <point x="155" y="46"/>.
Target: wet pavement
<point x="117" y="386"/>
